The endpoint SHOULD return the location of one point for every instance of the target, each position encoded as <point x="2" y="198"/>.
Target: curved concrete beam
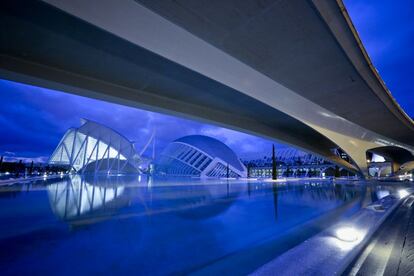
<point x="145" y="28"/>
<point x="188" y="73"/>
<point x="397" y="155"/>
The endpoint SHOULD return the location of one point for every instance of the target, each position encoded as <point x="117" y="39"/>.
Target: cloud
<point x="39" y="159"/>
<point x="34" y="120"/>
<point x="387" y="30"/>
<point x="247" y="146"/>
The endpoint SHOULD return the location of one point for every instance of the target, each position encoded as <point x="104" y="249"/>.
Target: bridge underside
<point x="44" y="46"/>
<point x="395" y="155"/>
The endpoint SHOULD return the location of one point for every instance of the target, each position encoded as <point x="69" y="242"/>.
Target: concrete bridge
<point x="295" y="71"/>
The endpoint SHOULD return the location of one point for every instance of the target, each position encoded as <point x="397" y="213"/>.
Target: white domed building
<point x="202" y="156"/>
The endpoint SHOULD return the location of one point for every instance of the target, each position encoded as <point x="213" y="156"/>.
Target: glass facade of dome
<point x="199" y="155"/>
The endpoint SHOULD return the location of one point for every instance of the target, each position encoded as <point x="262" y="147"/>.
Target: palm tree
<point x="274" y="170"/>
<point x="337" y="173"/>
<point x="31" y="168"/>
<point x="227" y="170"/>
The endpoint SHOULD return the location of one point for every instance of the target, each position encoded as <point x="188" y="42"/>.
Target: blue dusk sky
<point x="386" y="28"/>
<point x="34" y="119"/>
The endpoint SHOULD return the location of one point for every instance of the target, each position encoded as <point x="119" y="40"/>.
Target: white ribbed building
<point x="94" y="148"/>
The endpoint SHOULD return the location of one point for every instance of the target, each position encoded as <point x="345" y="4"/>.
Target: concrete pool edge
<point x="325" y="251"/>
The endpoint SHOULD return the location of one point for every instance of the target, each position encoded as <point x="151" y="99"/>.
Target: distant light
<point x="403" y="193"/>
<point x="377" y="158"/>
<point x="348" y="234"/>
<point x="6" y="173"/>
<point x="382" y="193"/>
<point x="376" y="208"/>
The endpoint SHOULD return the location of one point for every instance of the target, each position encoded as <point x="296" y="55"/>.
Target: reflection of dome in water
<point x="76" y="198"/>
<point x="199" y="155"/>
<point x="206" y="201"/>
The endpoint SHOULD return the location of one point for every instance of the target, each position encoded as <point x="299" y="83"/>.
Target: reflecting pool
<point x="140" y="225"/>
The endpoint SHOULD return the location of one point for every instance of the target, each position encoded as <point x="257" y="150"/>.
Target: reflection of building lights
<point x="376" y="208"/>
<point x="348" y="234"/>
<point x="403" y="193"/>
<point x="382" y="193"/>
<point x="347" y="237"/>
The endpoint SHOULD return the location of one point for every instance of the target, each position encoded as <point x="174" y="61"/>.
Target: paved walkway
<point x="21" y="180"/>
<point x="391" y="251"/>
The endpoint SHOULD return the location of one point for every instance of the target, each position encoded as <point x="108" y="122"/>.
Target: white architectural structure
<point x="94" y="148"/>
<point x="198" y="155"/>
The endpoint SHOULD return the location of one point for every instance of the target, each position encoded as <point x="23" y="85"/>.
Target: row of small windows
<point x="260" y="172"/>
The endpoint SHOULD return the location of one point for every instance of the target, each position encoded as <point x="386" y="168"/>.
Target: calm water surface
<point x="138" y="225"/>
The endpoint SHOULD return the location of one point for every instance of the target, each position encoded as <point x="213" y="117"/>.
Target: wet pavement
<point x="391" y="250"/>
